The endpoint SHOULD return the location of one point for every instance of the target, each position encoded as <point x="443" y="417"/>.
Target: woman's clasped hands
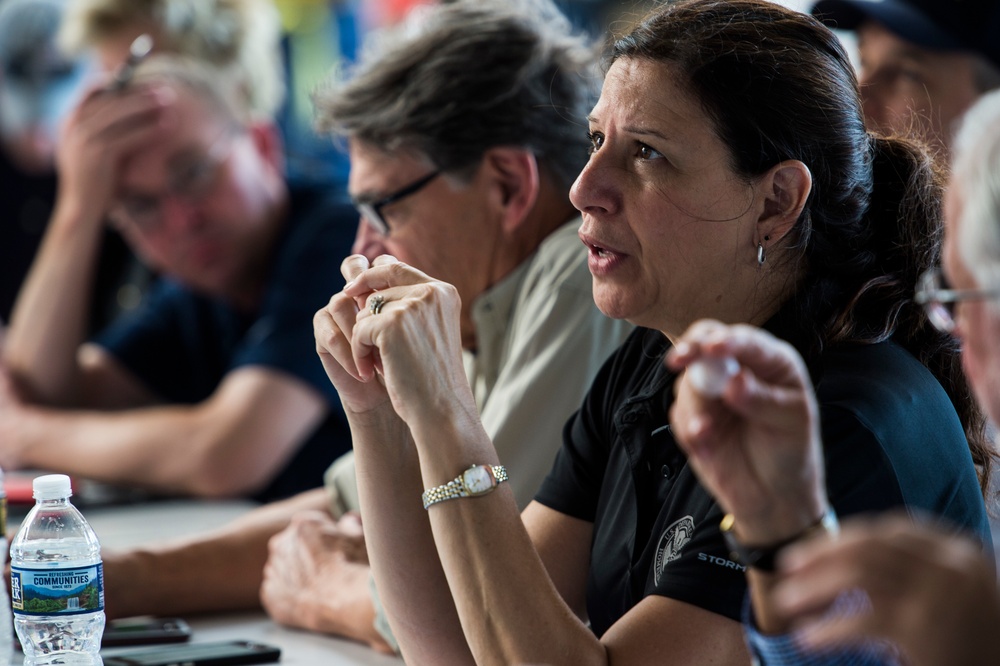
<point x="391" y="338"/>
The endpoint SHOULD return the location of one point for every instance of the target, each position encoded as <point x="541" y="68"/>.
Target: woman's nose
<point x="596" y="189"/>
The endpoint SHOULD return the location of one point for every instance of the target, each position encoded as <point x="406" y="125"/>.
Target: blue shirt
<point x="784" y="650"/>
<point x="182" y="344"/>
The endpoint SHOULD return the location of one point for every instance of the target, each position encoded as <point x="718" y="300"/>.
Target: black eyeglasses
<point x="191" y="182"/>
<point x="939" y="301"/>
<point x="372" y="210"/>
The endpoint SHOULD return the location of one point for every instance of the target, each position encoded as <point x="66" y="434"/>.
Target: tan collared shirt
<point x="540" y="342"/>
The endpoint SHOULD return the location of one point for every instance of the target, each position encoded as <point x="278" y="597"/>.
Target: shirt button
<point x="666" y="471"/>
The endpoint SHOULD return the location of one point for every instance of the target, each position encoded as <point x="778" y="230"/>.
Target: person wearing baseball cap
<point x="923" y="62"/>
<point x="37" y="88"/>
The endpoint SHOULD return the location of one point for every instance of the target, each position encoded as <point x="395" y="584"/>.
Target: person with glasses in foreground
<point x="731" y="177"/>
<point x="908" y="580"/>
<point x="211" y="388"/>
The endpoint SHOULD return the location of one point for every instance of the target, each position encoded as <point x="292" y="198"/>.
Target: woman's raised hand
<point x="393" y="332"/>
<point x="333" y="326"/>
<point x="756" y="446"/>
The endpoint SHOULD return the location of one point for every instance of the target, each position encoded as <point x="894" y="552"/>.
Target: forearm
<point x="768" y="619"/>
<point x="166" y="448"/>
<point x="491" y="563"/>
<point x="761" y="582"/>
<point x="404" y="560"/>
<point x="213" y="572"/>
<point x="50" y="317"/>
<point x="223" y="574"/>
<point x="229" y="445"/>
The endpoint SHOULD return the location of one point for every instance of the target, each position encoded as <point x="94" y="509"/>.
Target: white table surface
<point x="124" y="526"/>
<point x="298" y="648"/>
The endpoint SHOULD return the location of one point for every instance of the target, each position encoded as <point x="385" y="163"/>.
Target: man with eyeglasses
<point x="941" y="301"/>
<point x="465" y="130"/>
<point x="463" y="145"/>
<point x="212" y="387"/>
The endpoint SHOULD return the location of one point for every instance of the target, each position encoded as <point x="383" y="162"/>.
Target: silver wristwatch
<point x="477" y="480"/>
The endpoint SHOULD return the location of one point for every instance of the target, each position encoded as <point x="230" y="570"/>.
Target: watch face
<point x="478" y="479"/>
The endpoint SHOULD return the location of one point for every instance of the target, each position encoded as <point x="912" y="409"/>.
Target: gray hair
<point x="242" y="38"/>
<point x="457" y="79"/>
<point x="221" y="95"/>
<point x="976" y="172"/>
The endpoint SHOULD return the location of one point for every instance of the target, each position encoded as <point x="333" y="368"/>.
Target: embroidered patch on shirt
<point x="671" y="543"/>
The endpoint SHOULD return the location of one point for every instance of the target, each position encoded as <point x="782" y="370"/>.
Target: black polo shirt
<point x="891" y="437"/>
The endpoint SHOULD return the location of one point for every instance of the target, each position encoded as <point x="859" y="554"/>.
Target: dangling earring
<point x="761" y="252"/>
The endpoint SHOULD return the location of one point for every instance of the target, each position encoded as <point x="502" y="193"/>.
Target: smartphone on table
<point x="145" y="630"/>
<point x="223" y="653"/>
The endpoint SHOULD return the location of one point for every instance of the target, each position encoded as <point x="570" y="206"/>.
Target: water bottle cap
<point x="51" y="486"/>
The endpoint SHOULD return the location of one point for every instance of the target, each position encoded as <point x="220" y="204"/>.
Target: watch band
<point x="763" y="558"/>
<point x="474" y="481"/>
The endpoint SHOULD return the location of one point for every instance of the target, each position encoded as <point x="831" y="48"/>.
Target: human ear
<point x="515" y="175"/>
<point x="785" y="187"/>
<point x="267" y="141"/>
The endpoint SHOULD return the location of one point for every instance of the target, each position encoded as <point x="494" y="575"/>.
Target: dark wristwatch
<point x="763" y="558"/>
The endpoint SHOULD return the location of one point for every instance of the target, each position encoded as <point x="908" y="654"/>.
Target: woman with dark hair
<point x="929" y="592"/>
<point x="731" y="177"/>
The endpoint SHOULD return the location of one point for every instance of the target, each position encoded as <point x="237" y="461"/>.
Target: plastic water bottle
<point x="6" y="622"/>
<point x="57" y="581"/>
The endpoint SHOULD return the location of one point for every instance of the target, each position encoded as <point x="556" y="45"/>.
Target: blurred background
<point x="39" y="84"/>
<point x="321" y="34"/>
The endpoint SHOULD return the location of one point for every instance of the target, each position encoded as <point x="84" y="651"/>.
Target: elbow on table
<point x="226" y="476"/>
<point x="60" y="392"/>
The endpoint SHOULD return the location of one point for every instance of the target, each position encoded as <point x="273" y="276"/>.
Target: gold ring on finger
<point x="376" y="303"/>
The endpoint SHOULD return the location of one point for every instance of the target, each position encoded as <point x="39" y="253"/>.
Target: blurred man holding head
<point x="211" y="388"/>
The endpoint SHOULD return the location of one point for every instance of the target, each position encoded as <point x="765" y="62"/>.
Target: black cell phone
<point x="145" y="631"/>
<point x="227" y="653"/>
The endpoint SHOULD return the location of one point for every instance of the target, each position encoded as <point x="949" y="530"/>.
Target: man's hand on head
<point x="96" y="140"/>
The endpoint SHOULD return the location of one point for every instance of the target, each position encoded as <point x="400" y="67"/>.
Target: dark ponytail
<point x="778" y="86"/>
<point x="903" y="229"/>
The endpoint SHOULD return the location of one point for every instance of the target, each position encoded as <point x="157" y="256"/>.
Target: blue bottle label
<point x="57" y="591"/>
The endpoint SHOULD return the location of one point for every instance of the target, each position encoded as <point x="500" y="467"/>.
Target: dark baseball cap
<point x="946" y="25"/>
<point x="38" y="83"/>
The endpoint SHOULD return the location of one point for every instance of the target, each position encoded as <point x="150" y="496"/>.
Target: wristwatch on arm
<point x="476" y="480"/>
<point x="763" y="558"/>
